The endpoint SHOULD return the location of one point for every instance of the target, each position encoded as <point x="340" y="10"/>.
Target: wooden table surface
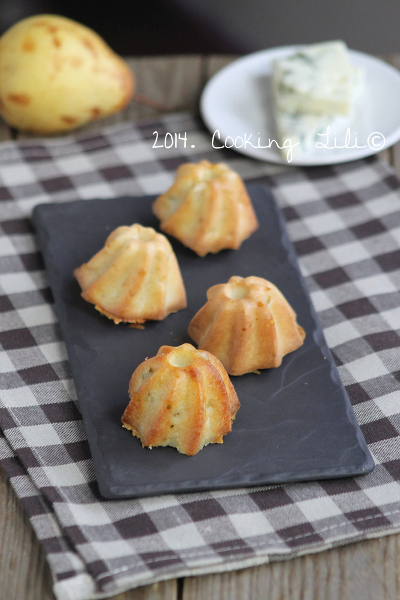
<point x="368" y="570"/>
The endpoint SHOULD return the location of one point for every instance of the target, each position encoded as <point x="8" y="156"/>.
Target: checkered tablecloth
<point x="345" y="224"/>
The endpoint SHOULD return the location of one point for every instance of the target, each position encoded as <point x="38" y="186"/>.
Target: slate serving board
<point x="295" y="422"/>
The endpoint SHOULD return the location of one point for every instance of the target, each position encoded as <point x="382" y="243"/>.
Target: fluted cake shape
<point x="135" y="277"/>
<point x="207" y="208"/>
<point x="183" y="398"/>
<point x="248" y="324"/>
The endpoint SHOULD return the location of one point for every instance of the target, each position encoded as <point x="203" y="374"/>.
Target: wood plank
<point x="163" y="590"/>
<point x="24" y="572"/>
<point x="5" y="131"/>
<point x="386" y="155"/>
<point x="363" y="571"/>
<point x="394" y="60"/>
<point x="173" y="81"/>
<point x="213" y="64"/>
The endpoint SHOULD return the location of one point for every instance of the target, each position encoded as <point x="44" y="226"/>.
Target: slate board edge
<point x="118" y="491"/>
<point x="320" y="340"/>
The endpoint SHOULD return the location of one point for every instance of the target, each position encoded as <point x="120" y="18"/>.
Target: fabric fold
<point x="344" y="221"/>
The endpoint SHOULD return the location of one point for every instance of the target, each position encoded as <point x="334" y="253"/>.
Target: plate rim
<point x="275" y="157"/>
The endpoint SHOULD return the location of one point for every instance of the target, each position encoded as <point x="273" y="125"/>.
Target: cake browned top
<point x="207" y="208"/>
<point x="248" y="324"/>
<point x="183" y="398"/>
<point x="134" y="277"/>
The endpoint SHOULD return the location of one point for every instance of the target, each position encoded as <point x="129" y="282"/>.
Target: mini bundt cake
<point x="248" y="324"/>
<point x="183" y="398"/>
<point x="135" y="277"/>
<point x="207" y="208"/>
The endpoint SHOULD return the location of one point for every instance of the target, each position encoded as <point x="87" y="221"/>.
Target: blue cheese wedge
<point x="318" y="79"/>
<point x="311" y="89"/>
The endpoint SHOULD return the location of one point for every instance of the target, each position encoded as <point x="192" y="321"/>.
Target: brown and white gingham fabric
<point x="345" y="224"/>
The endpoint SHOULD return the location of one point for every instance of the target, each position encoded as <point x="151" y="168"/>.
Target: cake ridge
<point x="134" y="277"/>
<point x="213" y="211"/>
<point x="248" y="324"/>
<point x="187" y="400"/>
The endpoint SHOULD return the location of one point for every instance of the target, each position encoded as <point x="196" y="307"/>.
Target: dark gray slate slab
<point x="295" y="422"/>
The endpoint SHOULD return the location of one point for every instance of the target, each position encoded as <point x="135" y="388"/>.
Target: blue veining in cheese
<point x="317" y="79"/>
<point x="311" y="88"/>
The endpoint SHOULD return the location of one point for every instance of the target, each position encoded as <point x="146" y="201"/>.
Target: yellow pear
<point x="56" y="74"/>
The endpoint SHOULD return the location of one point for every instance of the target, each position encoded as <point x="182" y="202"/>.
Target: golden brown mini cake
<point x="207" y="208"/>
<point x="248" y="324"/>
<point x="135" y="277"/>
<point x="183" y="398"/>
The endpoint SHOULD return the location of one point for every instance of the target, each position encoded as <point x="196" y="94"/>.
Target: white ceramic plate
<point x="237" y="102"/>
